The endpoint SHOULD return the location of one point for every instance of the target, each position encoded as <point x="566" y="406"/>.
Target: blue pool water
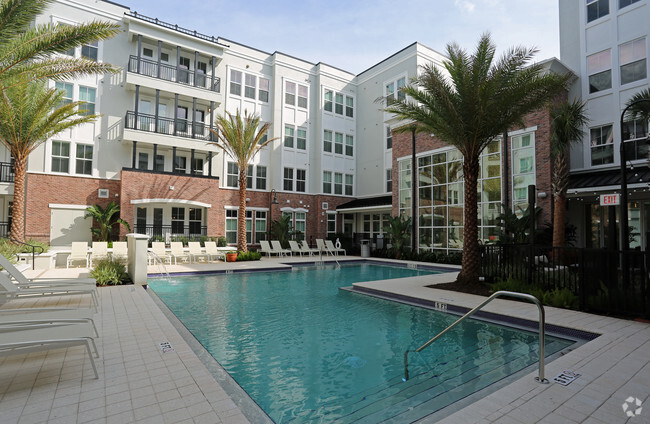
<point x="306" y="351"/>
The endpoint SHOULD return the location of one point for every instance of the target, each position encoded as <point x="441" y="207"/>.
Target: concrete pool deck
<point x="140" y="383"/>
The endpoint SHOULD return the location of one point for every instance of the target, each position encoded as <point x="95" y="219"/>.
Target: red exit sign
<point x="610" y="199"/>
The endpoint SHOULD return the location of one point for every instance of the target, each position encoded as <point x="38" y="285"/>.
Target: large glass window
<point x="302" y="96"/>
<point x="66" y="87"/>
<point x="331" y="224"/>
<point x="349" y="107"/>
<point x="260" y="225"/>
<point x="338" y="104"/>
<point x="89" y="51"/>
<point x="178" y="220"/>
<point x="523" y="169"/>
<point x="84" y="163"/>
<point x="231" y="226"/>
<point x="349" y="184"/>
<point x="232" y="175"/>
<point x="389" y="93"/>
<point x="625" y="3"/>
<point x="599" y="69"/>
<point x="597" y="9"/>
<point x="301" y="180"/>
<point x="261" y="177"/>
<point x="195" y="220"/>
<point x="263" y="94"/>
<point x="249" y="176"/>
<point x="290" y="93"/>
<point x="143" y="160"/>
<point x="401" y="83"/>
<point x="250" y="86"/>
<point x="338" y="183"/>
<point x="329" y="98"/>
<point x="288" y="179"/>
<point x="349" y="145"/>
<point x="602" y="145"/>
<point x="327" y="141"/>
<point x="635" y="134"/>
<point x="632" y="57"/>
<point x="87" y="95"/>
<point x="389" y="180"/>
<point x="235" y="82"/>
<point x="289" y="136"/>
<point x="60" y="156"/>
<point x="338" y="143"/>
<point x="301" y="139"/>
<point x="389" y="137"/>
<point x="327" y="182"/>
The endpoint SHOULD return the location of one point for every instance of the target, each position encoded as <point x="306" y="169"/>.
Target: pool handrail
<point x="540" y="378"/>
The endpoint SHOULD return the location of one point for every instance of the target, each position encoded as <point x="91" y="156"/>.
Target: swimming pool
<point x="306" y="351"/>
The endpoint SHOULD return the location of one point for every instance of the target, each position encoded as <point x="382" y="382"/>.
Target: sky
<point x="356" y="34"/>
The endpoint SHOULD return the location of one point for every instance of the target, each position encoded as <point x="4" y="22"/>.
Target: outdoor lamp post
<point x="273" y="200"/>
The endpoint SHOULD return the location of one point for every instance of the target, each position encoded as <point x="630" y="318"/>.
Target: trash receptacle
<point x="365" y="248"/>
<point x="380" y="241"/>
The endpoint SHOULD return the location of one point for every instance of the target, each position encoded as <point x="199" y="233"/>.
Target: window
<point x="401" y="83"/>
<point x="180" y="164"/>
<point x="249" y="176"/>
<point x="288" y="179"/>
<point x="327" y="141"/>
<point x="143" y="159"/>
<point x="338" y="143"/>
<point x="164" y="57"/>
<point x="389" y="180"/>
<point x="599" y="70"/>
<point x="89" y="51"/>
<point x="390" y="93"/>
<point x="141" y="221"/>
<point x="84" y="163"/>
<point x="195" y="220"/>
<point x="302" y="96"/>
<point x="328" y="100"/>
<point x="597" y="9"/>
<point x="231" y="226"/>
<point x="60" y="156"/>
<point x="232" y="175"/>
<point x="636" y="143"/>
<point x="338" y="107"/>
<point x="290" y="93"/>
<point x="197" y="166"/>
<point x="327" y="182"/>
<point x="300" y="225"/>
<point x="523" y="169"/>
<point x="263" y="94"/>
<point x="178" y="220"/>
<point x="260" y="225"/>
<point x="66" y="87"/>
<point x="625" y="3"/>
<point x="348" y="184"/>
<point x="160" y="163"/>
<point x="235" y="82"/>
<point x="288" y="136"/>
<point x="87" y="95"/>
<point x="602" y="145"/>
<point x="147" y="52"/>
<point x="251" y="84"/>
<point x="389" y="138"/>
<point x="632" y="57"/>
<point x="338" y="183"/>
<point x="301" y="140"/>
<point x="331" y="224"/>
<point x="261" y="178"/>
<point x="301" y="178"/>
<point x="71" y="51"/>
<point x="349" y="107"/>
<point x="349" y="145"/>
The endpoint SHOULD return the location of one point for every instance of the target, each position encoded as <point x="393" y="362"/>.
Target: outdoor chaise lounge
<point x="158" y="250"/>
<point x="320" y="245"/>
<point x="178" y="252"/>
<point x="196" y="253"/>
<point x="22" y="316"/>
<point x="212" y="251"/>
<point x="335" y="251"/>
<point x="25" y="282"/>
<point x="278" y="248"/>
<point x="120" y="252"/>
<point x="9" y="290"/>
<point x="306" y="249"/>
<point x="295" y="247"/>
<point x="21" y="339"/>
<point x="79" y="253"/>
<point x="265" y="247"/>
<point x="99" y="253"/>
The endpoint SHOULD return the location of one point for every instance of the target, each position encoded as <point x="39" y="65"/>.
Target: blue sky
<point x="356" y="34"/>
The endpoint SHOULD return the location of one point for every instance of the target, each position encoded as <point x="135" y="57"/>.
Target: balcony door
<point x="181" y="120"/>
<point x="199" y="123"/>
<point x="145" y="123"/>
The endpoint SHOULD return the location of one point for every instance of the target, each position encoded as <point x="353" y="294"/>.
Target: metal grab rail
<point x="540" y="378"/>
<point x="33" y="246"/>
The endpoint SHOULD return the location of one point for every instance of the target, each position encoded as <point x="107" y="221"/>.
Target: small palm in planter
<point x="231" y="256"/>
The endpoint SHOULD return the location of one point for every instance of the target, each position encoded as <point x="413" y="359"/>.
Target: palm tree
<point x="26" y="52"/>
<point x="567" y="121"/>
<point x="470" y="106"/>
<point x="398" y="230"/>
<point x="105" y="218"/>
<point x="241" y="138"/>
<point x="641" y="107"/>
<point x="30" y="113"/>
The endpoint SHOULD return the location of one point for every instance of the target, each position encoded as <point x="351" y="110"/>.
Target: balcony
<point x="171" y="73"/>
<point x="6" y="172"/>
<point x="172" y="232"/>
<point x="168" y="126"/>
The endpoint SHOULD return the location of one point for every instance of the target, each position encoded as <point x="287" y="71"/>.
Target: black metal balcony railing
<point x="175" y="27"/>
<point x="178" y="127"/>
<point x="168" y="233"/>
<point x="172" y="73"/>
<point x="6" y="172"/>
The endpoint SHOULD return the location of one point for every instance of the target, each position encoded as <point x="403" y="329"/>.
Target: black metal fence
<point x="5" y="227"/>
<point x="173" y="232"/>
<point x="173" y="73"/>
<point x="594" y="275"/>
<point x="6" y="172"/>
<point x="170" y="126"/>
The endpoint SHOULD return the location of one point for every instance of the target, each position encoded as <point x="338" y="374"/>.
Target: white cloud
<point x="465" y="5"/>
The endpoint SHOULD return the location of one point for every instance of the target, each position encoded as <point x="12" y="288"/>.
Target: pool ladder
<point x="540" y="378"/>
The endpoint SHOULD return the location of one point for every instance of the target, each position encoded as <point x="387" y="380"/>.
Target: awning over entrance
<point x="368" y="203"/>
<point x="608" y="180"/>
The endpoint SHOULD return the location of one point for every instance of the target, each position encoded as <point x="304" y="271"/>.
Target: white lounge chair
<point x="196" y="253"/>
<point x="277" y="247"/>
<point x="178" y="252"/>
<point x="306" y="249"/>
<point x="100" y="252"/>
<point x="330" y="246"/>
<point x="9" y="290"/>
<point x="212" y="251"/>
<point x="265" y="247"/>
<point x="17" y="339"/>
<point x="79" y="253"/>
<point x="23" y="316"/>
<point x="25" y="282"/>
<point x="158" y="249"/>
<point x="120" y="252"/>
<point x="320" y="245"/>
<point x="295" y="247"/>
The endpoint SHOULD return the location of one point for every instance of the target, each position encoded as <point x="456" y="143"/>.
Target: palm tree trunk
<point x="558" y="219"/>
<point x="241" y="215"/>
<point x="18" y="211"/>
<point x="471" y="254"/>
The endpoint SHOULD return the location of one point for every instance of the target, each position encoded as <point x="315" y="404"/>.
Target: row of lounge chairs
<point x="25" y="330"/>
<point x="194" y="254"/>
<point x="79" y="252"/>
<point x="323" y="247"/>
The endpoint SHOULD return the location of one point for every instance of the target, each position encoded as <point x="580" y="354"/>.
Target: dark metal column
<point x="137" y="68"/>
<point x="211" y="120"/>
<point x="174" y="160"/>
<point x="156" y="112"/>
<point x="159" y="57"/>
<point x="210" y="164"/>
<point x="175" y="112"/>
<point x="196" y="65"/>
<point x="178" y="63"/>
<point x="155" y="153"/>
<point x="192" y="162"/>
<point x="135" y="146"/>
<point x="137" y="106"/>
<point x="193" y="114"/>
<point x="414" y="192"/>
<point x="213" y="63"/>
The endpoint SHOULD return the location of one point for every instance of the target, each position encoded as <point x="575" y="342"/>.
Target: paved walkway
<point x="140" y="383"/>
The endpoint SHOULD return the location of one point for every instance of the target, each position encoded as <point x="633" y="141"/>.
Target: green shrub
<point x="222" y="242"/>
<point x="108" y="273"/>
<point x="560" y="298"/>
<point x="9" y="250"/>
<point x="249" y="256"/>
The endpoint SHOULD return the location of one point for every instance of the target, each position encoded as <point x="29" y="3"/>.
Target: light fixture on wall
<point x="542" y="195"/>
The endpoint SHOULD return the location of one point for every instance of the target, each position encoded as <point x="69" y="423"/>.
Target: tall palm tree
<point x="30" y="113"/>
<point x="105" y="218"/>
<point x="471" y="104"/>
<point x="241" y="138"/>
<point x="27" y="52"/>
<point x="641" y="108"/>
<point x="567" y="121"/>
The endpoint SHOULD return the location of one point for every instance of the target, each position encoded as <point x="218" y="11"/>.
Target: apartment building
<point x="605" y="43"/>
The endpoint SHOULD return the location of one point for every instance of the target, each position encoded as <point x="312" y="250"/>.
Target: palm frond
<point x="639" y="106"/>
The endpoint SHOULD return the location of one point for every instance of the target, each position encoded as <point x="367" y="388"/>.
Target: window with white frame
<point x="328" y="97"/>
<point x="289" y="136"/>
<point x="349" y="184"/>
<point x="260" y="226"/>
<point x="249" y="226"/>
<point x="338" y="183"/>
<point x="263" y="93"/>
<point x="632" y="58"/>
<point x="143" y="160"/>
<point x="389" y="180"/>
<point x="290" y="93"/>
<point x="602" y="145"/>
<point x="195" y="220"/>
<point x="597" y="9"/>
<point x="260" y="177"/>
<point x="67" y="88"/>
<point x="178" y="220"/>
<point x="338" y="143"/>
<point x="302" y="96"/>
<point x="405" y="187"/>
<point x="331" y="224"/>
<point x="87" y="95"/>
<point x="327" y="182"/>
<point x="89" y="51"/>
<point x="301" y="139"/>
<point x="401" y="83"/>
<point x="180" y="164"/>
<point x="159" y="164"/>
<point x="250" y="86"/>
<point x="389" y="93"/>
<point x="338" y="104"/>
<point x="635" y="134"/>
<point x="298" y="222"/>
<point x="60" y="156"/>
<point x="231" y="226"/>
<point x="288" y="179"/>
<point x="301" y="180"/>
<point x="523" y="169"/>
<point x="235" y="82"/>
<point x="327" y="141"/>
<point x="599" y="69"/>
<point x="249" y="176"/>
<point x="625" y="3"/>
<point x="197" y="166"/>
<point x="84" y="163"/>
<point x="232" y="175"/>
<point x="349" y="107"/>
<point x="393" y="90"/>
<point x="389" y="137"/>
<point x="349" y="145"/>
